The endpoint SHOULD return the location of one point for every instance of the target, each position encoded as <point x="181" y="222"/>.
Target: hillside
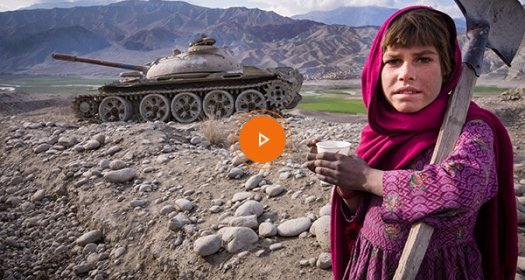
<point x="83" y="200"/>
<point x="138" y="32"/>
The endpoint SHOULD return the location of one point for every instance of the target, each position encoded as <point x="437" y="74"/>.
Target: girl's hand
<point x="313" y="150"/>
<point x="311" y="144"/>
<point x="348" y="172"/>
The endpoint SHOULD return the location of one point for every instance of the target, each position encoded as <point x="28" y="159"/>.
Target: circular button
<point x="262" y="139"/>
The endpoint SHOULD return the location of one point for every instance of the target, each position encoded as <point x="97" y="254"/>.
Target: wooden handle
<point x="455" y="116"/>
<point x="414" y="251"/>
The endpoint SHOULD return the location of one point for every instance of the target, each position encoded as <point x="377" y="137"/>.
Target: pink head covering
<point x="392" y="139"/>
<point x="397" y="135"/>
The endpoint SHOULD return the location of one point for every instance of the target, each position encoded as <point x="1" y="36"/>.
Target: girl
<point x="468" y="198"/>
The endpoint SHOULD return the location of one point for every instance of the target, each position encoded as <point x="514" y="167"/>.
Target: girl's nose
<point x="406" y="72"/>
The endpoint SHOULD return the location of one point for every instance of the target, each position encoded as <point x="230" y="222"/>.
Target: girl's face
<point x="411" y="77"/>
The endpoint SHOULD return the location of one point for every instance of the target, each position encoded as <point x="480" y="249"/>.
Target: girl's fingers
<point x="311" y="143"/>
<point x="327" y="175"/>
<point x="314" y="163"/>
<point x="329" y="156"/>
<point x="325" y="179"/>
<point x="311" y="156"/>
<point x="311" y="165"/>
<point x="326" y="171"/>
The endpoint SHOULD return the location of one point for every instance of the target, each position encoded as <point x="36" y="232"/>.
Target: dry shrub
<point x="216" y="131"/>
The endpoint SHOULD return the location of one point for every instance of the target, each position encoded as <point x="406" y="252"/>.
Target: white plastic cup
<point x="332" y="146"/>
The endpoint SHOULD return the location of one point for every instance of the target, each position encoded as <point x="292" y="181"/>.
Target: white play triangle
<point x="263" y="139"/>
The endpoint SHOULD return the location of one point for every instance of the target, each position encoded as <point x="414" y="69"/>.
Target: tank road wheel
<point x="290" y="98"/>
<point x="114" y="108"/>
<point x="85" y="108"/>
<point x="155" y="107"/>
<point x="186" y="107"/>
<point x="277" y="94"/>
<point x="218" y="104"/>
<point x="297" y="98"/>
<point x="250" y="100"/>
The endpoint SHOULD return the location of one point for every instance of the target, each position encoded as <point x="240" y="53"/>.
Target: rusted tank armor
<point x="204" y="82"/>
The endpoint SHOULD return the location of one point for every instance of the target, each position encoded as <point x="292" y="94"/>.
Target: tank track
<point x="279" y="94"/>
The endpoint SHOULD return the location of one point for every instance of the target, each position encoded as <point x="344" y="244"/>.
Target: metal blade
<point x="506" y="20"/>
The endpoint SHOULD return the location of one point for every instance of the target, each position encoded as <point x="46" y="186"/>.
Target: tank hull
<point x="189" y="97"/>
<point x="204" y="82"/>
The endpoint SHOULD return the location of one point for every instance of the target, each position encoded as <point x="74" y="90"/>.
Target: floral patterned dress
<point x="446" y="196"/>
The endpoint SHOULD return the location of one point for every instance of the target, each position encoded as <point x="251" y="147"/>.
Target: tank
<point x="203" y="82"/>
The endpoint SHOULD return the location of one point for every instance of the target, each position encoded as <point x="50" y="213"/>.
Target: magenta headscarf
<point x="391" y="140"/>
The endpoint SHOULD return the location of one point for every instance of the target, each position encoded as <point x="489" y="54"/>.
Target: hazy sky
<point x="282" y="7"/>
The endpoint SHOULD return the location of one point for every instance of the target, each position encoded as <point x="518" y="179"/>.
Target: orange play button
<point x="262" y="139"/>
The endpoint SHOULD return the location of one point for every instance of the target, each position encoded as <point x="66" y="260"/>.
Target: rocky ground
<point x="168" y="201"/>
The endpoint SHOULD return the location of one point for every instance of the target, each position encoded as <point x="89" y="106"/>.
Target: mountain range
<point x="138" y="32"/>
<point x="360" y="16"/>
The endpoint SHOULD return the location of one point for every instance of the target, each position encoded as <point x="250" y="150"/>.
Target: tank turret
<point x="204" y="81"/>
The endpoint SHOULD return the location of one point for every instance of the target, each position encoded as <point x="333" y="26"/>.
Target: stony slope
<point x="134" y="201"/>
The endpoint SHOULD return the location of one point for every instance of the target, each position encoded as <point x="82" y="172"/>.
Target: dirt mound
<point x="512" y="113"/>
<point x="159" y="200"/>
<point x="12" y="102"/>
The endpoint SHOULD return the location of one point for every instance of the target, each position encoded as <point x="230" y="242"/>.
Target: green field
<point x="481" y="90"/>
<point x="325" y="98"/>
<point x="347" y="99"/>
<point x="334" y="104"/>
<point x="336" y="99"/>
<point x="44" y="84"/>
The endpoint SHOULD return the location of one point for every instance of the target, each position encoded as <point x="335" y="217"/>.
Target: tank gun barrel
<point x="72" y="58"/>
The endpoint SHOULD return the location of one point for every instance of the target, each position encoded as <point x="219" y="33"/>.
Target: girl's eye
<point x="393" y="62"/>
<point x="424" y="59"/>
